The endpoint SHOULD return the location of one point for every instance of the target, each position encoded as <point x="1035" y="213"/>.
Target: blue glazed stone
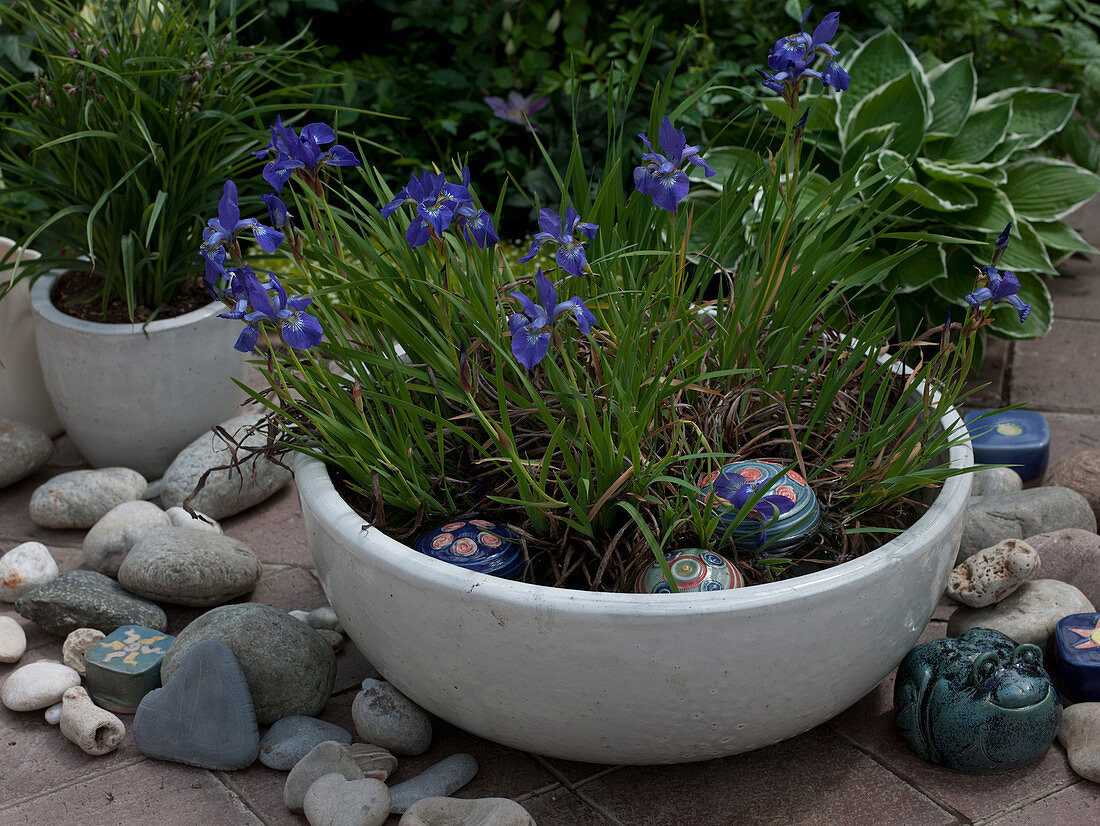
<point x="761" y="529"/>
<point x="1018" y="438"/>
<point x="475" y="544"/>
<point x="125" y="666"/>
<point x="693" y="569"/>
<point x="292" y="738"/>
<point x="978" y="703"/>
<point x="1077" y="657"/>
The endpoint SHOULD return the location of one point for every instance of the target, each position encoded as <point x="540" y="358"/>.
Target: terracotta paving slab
<point x="1078" y="805"/>
<point x="1058" y="372"/>
<point x="815" y="778"/>
<point x="1071" y="433"/>
<point x="147" y="792"/>
<point x="273" y="529"/>
<point x="288" y="589"/>
<point x="561" y="807"/>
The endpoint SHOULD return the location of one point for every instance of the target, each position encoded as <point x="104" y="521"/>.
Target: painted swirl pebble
<point x="475" y="544"/>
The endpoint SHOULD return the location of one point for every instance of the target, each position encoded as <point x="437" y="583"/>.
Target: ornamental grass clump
<point x="580" y="404"/>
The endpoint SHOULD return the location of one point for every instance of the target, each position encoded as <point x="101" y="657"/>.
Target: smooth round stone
<point x="292" y="738"/>
<point x="226" y="492"/>
<point x="441" y="780"/>
<point x="13" y="640"/>
<point x="1080" y="735"/>
<point x="87" y="599"/>
<point x="992" y="574"/>
<point x="386" y="717"/>
<point x="80" y="498"/>
<point x="455" y="811"/>
<point x="182" y="519"/>
<point x="989" y="519"/>
<point x="95" y="730"/>
<point x="77" y="644"/>
<point x="301" y="616"/>
<point x="323" y="617"/>
<point x="333" y="638"/>
<point x="112" y="537"/>
<point x="475" y="544"/>
<point x="1029" y="614"/>
<point x="24" y="568"/>
<point x="693" y="570"/>
<point x="325" y="758"/>
<point x="185" y="566"/>
<point x="995" y="481"/>
<point x="23" y="450"/>
<point x="1080" y="472"/>
<point x="333" y="800"/>
<point x="1072" y="556"/>
<point x="37" y="685"/>
<point x="290" y="669"/>
<point x="760" y="529"/>
<point x="53" y="714"/>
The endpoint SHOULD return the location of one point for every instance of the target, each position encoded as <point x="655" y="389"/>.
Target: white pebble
<point x="302" y="616"/>
<point x="53" y="714"/>
<point x="77" y="644"/>
<point x="13" y="641"/>
<point x="24" y="568"/>
<point x="112" y="537"/>
<point x="37" y="685"/>
<point x="182" y="519"/>
<point x="323" y="617"/>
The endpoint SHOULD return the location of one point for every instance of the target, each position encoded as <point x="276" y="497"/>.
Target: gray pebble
<point x="995" y="482"/>
<point x="301" y="616"/>
<point x="1079" y="733"/>
<point x="323" y="617"/>
<point x="454" y="811"/>
<point x="112" y="537"/>
<point x="23" y="450"/>
<point x="333" y="800"/>
<point x="225" y="492"/>
<point x="1024" y="513"/>
<point x="325" y="758"/>
<point x="87" y="599"/>
<point x="80" y="498"/>
<point x="182" y="519"/>
<point x="333" y="638"/>
<point x="386" y="717"/>
<point x="1029" y="614"/>
<point x="292" y="738"/>
<point x="188" y="566"/>
<point x="441" y="780"/>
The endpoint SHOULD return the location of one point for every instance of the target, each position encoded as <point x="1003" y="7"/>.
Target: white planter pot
<point x="135" y="395"/>
<point x="23" y="395"/>
<point x="626" y="678"/>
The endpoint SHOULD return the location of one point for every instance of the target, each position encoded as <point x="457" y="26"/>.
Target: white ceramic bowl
<point x="630" y="678"/>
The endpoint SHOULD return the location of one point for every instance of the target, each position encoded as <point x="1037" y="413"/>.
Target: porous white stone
<point x="112" y="537"/>
<point x="95" y="730"/>
<point x="992" y="574"/>
<point x="37" y="685"/>
<point x="182" y="519"/>
<point x="13" y="640"/>
<point x="1029" y="614"/>
<point x="77" y="644"/>
<point x="24" y="568"/>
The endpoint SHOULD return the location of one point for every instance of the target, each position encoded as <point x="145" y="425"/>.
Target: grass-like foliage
<point x="138" y="113"/>
<point x="418" y="396"/>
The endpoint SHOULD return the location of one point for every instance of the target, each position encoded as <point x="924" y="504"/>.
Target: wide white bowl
<point x="627" y="678"/>
<point x="135" y="395"/>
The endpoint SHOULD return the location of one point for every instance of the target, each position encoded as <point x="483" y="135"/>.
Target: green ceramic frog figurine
<point x="978" y="703"/>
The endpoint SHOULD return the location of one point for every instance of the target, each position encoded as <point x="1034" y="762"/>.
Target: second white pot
<point x="134" y="395"/>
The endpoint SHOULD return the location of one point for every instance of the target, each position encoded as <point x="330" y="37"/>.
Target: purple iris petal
<point x="1000" y="288"/>
<point x="834" y="77"/>
<point x="276" y="210"/>
<point x="479" y="228"/>
<point x="340" y="156"/>
<point x="318" y="133"/>
<point x="662" y="178"/>
<point x="299" y="329"/>
<point x="530" y="342"/>
<point x="668" y="189"/>
<point x="570" y="253"/>
<point x="280" y="170"/>
<point x="791" y="56"/>
<point x="585" y="318"/>
<point x="517" y="109"/>
<point x="246" y="341"/>
<point x="228" y="211"/>
<point x="418" y="233"/>
<point x="571" y="258"/>
<point x="826" y="28"/>
<point x="215" y="264"/>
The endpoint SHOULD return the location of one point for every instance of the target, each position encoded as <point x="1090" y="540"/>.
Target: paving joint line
<point x="598" y="808"/>
<point x="1023" y="804"/>
<point x="539" y="792"/>
<point x="245" y="800"/>
<point x="84" y="778"/>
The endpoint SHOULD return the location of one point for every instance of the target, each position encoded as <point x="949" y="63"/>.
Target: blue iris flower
<point x="791" y="56"/>
<point x="663" y="178"/>
<point x="223" y="230"/>
<point x="531" y="329"/>
<point x="255" y="300"/>
<point x="999" y="287"/>
<point x="440" y="204"/>
<point x="304" y="152"/>
<point x="567" y="235"/>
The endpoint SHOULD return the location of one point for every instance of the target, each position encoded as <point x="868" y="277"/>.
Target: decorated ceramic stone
<point x="125" y="666"/>
<point x="978" y="703"/>
<point x="475" y="544"/>
<point x="781" y="519"/>
<point x="1018" y="438"/>
<point x="1076" y="652"/>
<point x="693" y="569"/>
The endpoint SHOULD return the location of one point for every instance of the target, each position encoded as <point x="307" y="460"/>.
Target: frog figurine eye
<point x="1028" y="653"/>
<point x="985" y="666"/>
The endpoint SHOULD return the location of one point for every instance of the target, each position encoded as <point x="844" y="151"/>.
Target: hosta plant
<point x="964" y="166"/>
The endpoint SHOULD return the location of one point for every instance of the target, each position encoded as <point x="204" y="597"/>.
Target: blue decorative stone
<point x="1017" y="438"/>
<point x="292" y="738"/>
<point x="1076" y="652"/>
<point x="475" y="544"/>
<point x="978" y="703"/>
<point x="693" y="569"/>
<point x="125" y="666"/>
<point x="784" y="517"/>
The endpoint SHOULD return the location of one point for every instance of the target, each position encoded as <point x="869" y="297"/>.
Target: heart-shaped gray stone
<point x="203" y="716"/>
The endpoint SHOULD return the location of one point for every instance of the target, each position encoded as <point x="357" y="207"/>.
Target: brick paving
<point x="851" y="770"/>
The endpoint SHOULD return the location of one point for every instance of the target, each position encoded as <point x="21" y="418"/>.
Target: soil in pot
<point x="75" y="295"/>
